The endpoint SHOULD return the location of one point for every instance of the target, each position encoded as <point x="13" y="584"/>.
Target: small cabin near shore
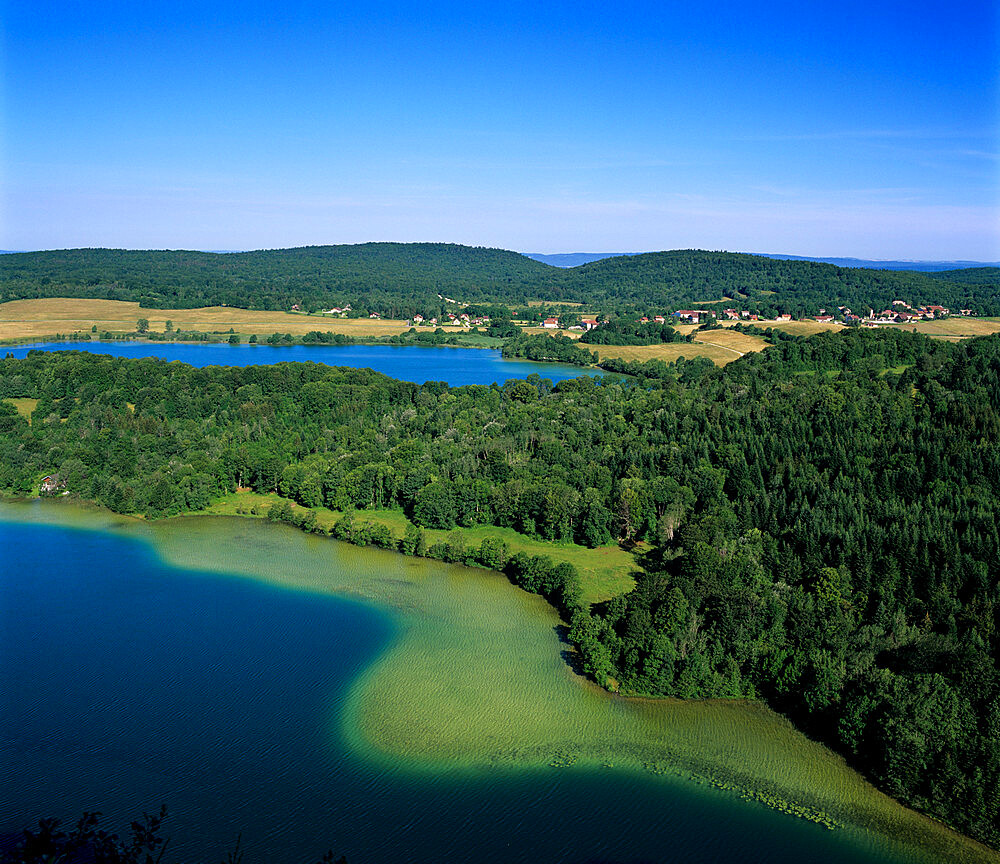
<point x="52" y="483"/>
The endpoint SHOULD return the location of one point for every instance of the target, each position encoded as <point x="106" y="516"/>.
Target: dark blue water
<point x="457" y="366"/>
<point x="126" y="684"/>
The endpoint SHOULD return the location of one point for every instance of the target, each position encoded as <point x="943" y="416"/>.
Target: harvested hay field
<point x="545" y="331"/>
<point x="720" y="346"/>
<point x="717" y="352"/>
<point x="954" y="328"/>
<point x="800" y="328"/>
<point x="742" y="343"/>
<point x="20" y="319"/>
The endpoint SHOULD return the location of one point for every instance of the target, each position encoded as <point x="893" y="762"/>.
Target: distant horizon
<point x="961" y="263"/>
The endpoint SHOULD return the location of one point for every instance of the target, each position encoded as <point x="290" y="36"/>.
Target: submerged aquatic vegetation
<point x="474" y="680"/>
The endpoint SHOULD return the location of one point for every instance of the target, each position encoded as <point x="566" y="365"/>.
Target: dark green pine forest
<point x="399" y="280"/>
<point x="822" y="519"/>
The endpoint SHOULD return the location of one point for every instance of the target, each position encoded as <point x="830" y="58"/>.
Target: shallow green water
<point x="434" y="718"/>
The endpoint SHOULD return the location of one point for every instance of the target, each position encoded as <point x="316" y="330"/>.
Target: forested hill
<point x="691" y="276"/>
<point x="394" y="279"/>
<point x="400" y="279"/>
<point x="971" y="276"/>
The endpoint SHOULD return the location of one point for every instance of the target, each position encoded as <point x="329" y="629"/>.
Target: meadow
<point x="605" y="572"/>
<point x="955" y="327"/>
<point x="22" y="319"/>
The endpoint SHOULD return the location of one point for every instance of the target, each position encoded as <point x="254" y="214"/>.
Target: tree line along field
<point x="817" y="523"/>
<point x="604" y="571"/>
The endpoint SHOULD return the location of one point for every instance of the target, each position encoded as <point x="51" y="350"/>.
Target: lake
<point x="417" y="363"/>
<point x="311" y="695"/>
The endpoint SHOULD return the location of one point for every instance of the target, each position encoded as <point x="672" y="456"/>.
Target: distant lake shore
<point x="457" y="366"/>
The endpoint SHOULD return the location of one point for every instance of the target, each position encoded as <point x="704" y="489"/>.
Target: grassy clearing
<point x="20" y="319"/>
<point x="604" y="572"/>
<point x="24" y="406"/>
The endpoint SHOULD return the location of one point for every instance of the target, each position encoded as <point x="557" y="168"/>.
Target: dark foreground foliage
<point x="823" y="517"/>
<point x="87" y="843"/>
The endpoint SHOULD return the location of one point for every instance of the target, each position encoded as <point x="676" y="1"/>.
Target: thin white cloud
<point x="865" y="134"/>
<point x="980" y="154"/>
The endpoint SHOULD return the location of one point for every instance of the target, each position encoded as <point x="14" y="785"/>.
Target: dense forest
<point x="753" y="282"/>
<point x="553" y="349"/>
<point x="984" y="276"/>
<point x="628" y="331"/>
<point x="396" y="280"/>
<point x="399" y="280"/>
<point x="822" y="518"/>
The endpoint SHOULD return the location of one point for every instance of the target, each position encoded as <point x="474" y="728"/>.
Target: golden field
<point x="720" y="346"/>
<point x="730" y="340"/>
<point x="955" y="327"/>
<point x="21" y="319"/>
<point x="799" y="328"/>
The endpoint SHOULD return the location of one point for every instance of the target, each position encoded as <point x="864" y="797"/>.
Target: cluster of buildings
<point x="336" y="311"/>
<point x="53" y="483"/>
<point x="900" y="312"/>
<point x="587" y="324"/>
<point x="460" y="320"/>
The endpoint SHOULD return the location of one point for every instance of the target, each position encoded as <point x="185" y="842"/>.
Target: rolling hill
<point x="400" y="279"/>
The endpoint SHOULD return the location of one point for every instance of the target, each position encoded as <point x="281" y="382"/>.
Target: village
<point x="899" y="312"/>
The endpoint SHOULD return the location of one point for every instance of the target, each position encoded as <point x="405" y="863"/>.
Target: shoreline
<point x="388" y="667"/>
<point x="377" y="342"/>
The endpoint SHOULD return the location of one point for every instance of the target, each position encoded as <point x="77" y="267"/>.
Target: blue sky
<point x="823" y="128"/>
